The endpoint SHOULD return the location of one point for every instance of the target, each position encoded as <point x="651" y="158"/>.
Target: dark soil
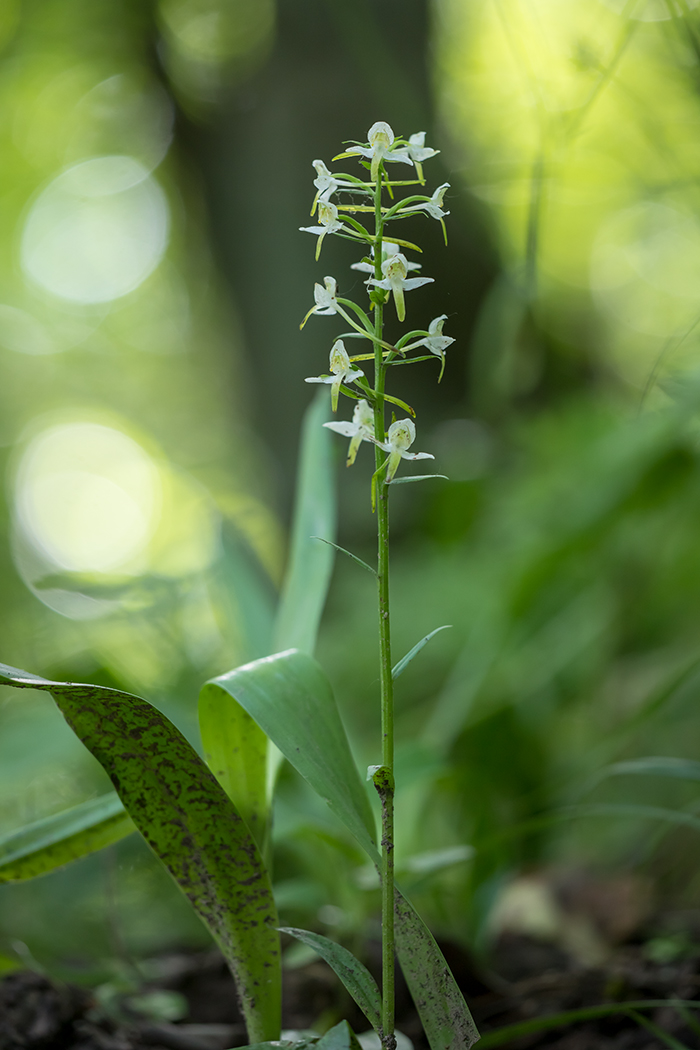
<point x="529" y="979"/>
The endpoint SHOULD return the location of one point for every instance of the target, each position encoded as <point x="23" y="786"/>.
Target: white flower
<point x="435" y="341"/>
<point x="325" y="299"/>
<point x="341" y="369"/>
<point x="388" y="248"/>
<point x="417" y="149"/>
<point x="433" y="206"/>
<point x="395" y="268"/>
<point x="326" y="183"/>
<point x="361" y="429"/>
<point x="400" y="437"/>
<point x="381" y="138"/>
<point x="328" y="217"/>
<point x="326" y="302"/>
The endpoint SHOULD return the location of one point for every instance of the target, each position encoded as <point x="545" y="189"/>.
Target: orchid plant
<point x="388" y="267"/>
<point x="205" y="811"/>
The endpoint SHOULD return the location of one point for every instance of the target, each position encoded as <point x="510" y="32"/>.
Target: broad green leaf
<point x="310" y="562"/>
<point x="403" y="663"/>
<point x="446" y="1018"/>
<point x="356" y="977"/>
<point x="235" y="749"/>
<point x="50" y="843"/>
<point x="189" y="822"/>
<point x="291" y="700"/>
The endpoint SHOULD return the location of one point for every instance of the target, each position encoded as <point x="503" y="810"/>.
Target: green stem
<point x="386" y="793"/>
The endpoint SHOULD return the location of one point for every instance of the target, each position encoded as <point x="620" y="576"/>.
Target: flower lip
<point x="380" y="132"/>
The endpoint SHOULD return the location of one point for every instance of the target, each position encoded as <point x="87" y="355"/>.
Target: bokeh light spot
<point x="88" y="497"/>
<point x="97" y="231"/>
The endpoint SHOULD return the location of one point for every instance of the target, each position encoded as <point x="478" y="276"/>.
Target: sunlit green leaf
<point x="310" y="562"/>
<point x="49" y="843"/>
<point x="354" y="975"/>
<point x="291" y="700"/>
<point x="235" y="749"/>
<point x="190" y="823"/>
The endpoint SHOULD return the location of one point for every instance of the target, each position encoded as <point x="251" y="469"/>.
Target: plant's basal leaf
<point x="310" y="562"/>
<point x="356" y="977"/>
<point x="446" y="1018"/>
<point x="50" y="843"/>
<point x="403" y="664"/>
<point x="189" y="822"/>
<point x="291" y="700"/>
<point x="236" y="751"/>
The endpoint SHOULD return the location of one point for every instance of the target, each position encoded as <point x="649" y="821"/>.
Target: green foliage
<point x="57" y="840"/>
<point x="356" y="977"/>
<point x="190" y="824"/>
<point x="310" y="563"/>
<point x="290" y="698"/>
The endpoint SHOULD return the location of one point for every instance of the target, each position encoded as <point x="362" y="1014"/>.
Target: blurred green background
<point x="156" y="168"/>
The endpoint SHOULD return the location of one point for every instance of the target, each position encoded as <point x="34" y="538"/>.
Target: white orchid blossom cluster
<point x="343" y="203"/>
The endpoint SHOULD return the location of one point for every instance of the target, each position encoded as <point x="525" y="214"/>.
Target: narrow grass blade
<point x="401" y="666"/>
<point x="356" y="977"/>
<point x="446" y="1019"/>
<point x="416" y="477"/>
<point x="652" y="765"/>
<point x="291" y="700"/>
<point x="349" y="554"/>
<point x="310" y="563"/>
<point x="510" y="1032"/>
<point x="665" y="1037"/>
<point x="50" y="843"/>
<point x="190" y="823"/>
